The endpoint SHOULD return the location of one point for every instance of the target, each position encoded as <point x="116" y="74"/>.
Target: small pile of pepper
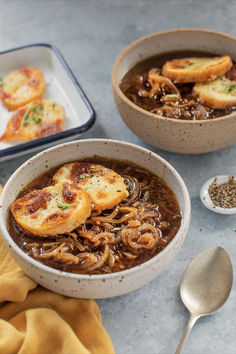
<point x="223" y="195"/>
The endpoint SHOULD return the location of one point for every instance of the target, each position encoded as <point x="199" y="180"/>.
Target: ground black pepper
<point x="223" y="195"/>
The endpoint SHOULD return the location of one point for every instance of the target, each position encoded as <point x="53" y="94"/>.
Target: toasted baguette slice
<point x="35" y="120"/>
<point x="196" y="69"/>
<point x="22" y="86"/>
<point x="220" y="93"/>
<point x="105" y="187"/>
<point x="52" y="210"/>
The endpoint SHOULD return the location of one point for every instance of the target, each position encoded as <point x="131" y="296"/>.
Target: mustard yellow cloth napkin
<point x="36" y="320"/>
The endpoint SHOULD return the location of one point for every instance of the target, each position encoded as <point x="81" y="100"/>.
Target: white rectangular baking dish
<point x="61" y="86"/>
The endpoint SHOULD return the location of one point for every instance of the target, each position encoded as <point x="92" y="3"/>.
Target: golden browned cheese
<point x="35" y="120"/>
<point x="52" y="210"/>
<point x="196" y="69"/>
<point x="220" y="93"/>
<point x="105" y="187"/>
<point x="22" y="86"/>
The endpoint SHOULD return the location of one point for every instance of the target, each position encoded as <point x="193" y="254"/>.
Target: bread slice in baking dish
<point x="220" y="93"/>
<point x="22" y="86"/>
<point x="196" y="69"/>
<point x="52" y="210"/>
<point x="105" y="187"/>
<point x="35" y="120"/>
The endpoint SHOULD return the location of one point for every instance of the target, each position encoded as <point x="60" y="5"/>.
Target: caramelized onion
<point x="159" y="85"/>
<point x="113" y="240"/>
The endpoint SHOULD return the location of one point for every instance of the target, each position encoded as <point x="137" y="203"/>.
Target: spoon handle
<point x="191" y="322"/>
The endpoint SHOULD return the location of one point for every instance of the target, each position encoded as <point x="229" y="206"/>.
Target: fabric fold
<point x="35" y="320"/>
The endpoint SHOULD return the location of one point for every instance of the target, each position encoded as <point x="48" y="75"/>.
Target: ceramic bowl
<point x="168" y="133"/>
<point x="94" y="286"/>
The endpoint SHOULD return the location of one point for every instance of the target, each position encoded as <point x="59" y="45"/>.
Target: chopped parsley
<point x="1" y="83"/>
<point x="33" y="108"/>
<point x="116" y="229"/>
<point x="94" y="170"/>
<point x="29" y="115"/>
<point x="172" y="95"/>
<point x="38" y="120"/>
<point x="25" y="119"/>
<point x="83" y="176"/>
<point x="229" y="89"/>
<point x="53" y="105"/>
<point x="63" y="206"/>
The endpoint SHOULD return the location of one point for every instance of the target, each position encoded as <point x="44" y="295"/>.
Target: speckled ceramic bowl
<point x="94" y="286"/>
<point x="167" y="133"/>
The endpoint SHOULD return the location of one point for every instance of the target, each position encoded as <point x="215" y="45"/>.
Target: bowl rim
<point x="56" y="272"/>
<point x="132" y="45"/>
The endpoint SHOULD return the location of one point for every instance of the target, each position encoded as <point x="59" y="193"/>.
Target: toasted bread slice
<point x="35" y="120"/>
<point x="196" y="69"/>
<point x="52" y="210"/>
<point x="105" y="187"/>
<point x="22" y="86"/>
<point x="220" y="93"/>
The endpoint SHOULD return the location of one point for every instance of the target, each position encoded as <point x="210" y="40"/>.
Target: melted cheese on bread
<point x="105" y="187"/>
<point x="35" y="120"/>
<point x="22" y="86"/>
<point x="196" y="69"/>
<point x="52" y="210"/>
<point x="220" y="93"/>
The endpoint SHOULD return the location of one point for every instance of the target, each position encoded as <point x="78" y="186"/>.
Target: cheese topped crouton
<point x="22" y="86"/>
<point x="220" y="93"/>
<point x="105" y="187"/>
<point x="35" y="120"/>
<point x="196" y="69"/>
<point x="52" y="210"/>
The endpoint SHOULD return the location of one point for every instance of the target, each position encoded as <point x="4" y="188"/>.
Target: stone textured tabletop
<point x="90" y="34"/>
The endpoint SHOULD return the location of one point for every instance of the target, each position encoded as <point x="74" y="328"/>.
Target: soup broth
<point x="187" y="107"/>
<point x="132" y="232"/>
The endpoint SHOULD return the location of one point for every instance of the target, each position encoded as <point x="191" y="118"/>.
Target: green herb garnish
<point x="53" y="105"/>
<point x="1" y="83"/>
<point x="116" y="229"/>
<point x="25" y="119"/>
<point x="63" y="206"/>
<point x="94" y="170"/>
<point x="229" y="89"/>
<point x="172" y="95"/>
<point x="33" y="108"/>
<point x="30" y="116"/>
<point x="38" y="120"/>
<point x="83" y="176"/>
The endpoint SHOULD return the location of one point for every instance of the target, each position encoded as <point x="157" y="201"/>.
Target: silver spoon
<point x="205" y="286"/>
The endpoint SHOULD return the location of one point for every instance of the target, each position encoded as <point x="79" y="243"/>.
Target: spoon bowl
<point x="205" y="285"/>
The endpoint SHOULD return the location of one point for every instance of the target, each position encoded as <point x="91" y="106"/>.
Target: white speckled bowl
<point x="93" y="286"/>
<point x="192" y="137"/>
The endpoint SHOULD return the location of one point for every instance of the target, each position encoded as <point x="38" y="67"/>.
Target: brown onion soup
<point x="131" y="233"/>
<point x="136" y="86"/>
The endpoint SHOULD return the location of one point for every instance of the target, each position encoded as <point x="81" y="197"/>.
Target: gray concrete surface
<point x="90" y="34"/>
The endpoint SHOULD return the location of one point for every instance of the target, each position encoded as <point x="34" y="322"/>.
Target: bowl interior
<point x="170" y="41"/>
<point x="80" y="150"/>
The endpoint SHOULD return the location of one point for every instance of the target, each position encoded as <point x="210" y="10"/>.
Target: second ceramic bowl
<point x="176" y="135"/>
